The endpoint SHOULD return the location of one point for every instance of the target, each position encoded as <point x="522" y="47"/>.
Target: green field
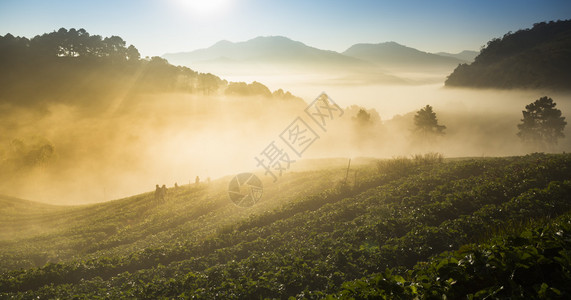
<point x="400" y="228"/>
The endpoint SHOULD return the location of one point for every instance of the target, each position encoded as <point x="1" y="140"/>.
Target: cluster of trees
<point x="542" y="124"/>
<point x="20" y="155"/>
<point x="531" y="58"/>
<point x="257" y="89"/>
<point x="425" y="131"/>
<point x="74" y="66"/>
<point x="156" y="74"/>
<point x="426" y="125"/>
<point x="67" y="43"/>
<point x="362" y="117"/>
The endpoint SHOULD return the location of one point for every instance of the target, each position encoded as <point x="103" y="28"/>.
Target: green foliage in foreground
<point x="419" y="229"/>
<point x="533" y="264"/>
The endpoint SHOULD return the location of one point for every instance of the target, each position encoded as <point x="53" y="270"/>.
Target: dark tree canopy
<point x="539" y="57"/>
<point x="243" y="89"/>
<point x="66" y="43"/>
<point x="257" y="89"/>
<point x="73" y="66"/>
<point x="23" y="155"/>
<point x="426" y="123"/>
<point x="542" y="123"/>
<point x="363" y="118"/>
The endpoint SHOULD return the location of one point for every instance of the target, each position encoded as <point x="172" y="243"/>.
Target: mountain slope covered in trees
<point x="73" y="66"/>
<point x="539" y="57"/>
<point x="405" y="228"/>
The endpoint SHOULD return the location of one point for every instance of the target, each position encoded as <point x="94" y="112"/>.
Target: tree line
<point x="541" y="127"/>
<point x="67" y="43"/>
<point x="542" y="124"/>
<point x="75" y="66"/>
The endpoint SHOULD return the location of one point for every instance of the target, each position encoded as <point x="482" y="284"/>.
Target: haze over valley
<point x="131" y="136"/>
<point x="247" y="149"/>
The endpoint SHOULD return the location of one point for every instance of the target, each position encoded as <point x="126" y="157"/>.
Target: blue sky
<point x="159" y="26"/>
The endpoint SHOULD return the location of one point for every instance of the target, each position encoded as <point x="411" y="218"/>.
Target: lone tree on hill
<point x="426" y="123"/>
<point x="542" y="123"/>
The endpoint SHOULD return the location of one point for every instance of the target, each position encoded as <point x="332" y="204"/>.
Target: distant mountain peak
<point x="263" y="50"/>
<point x="380" y="47"/>
<point x="271" y="37"/>
<point x="275" y="41"/>
<point x="259" y="39"/>
<point x="392" y="43"/>
<point x="279" y="53"/>
<point x="467" y="55"/>
<point x="222" y="43"/>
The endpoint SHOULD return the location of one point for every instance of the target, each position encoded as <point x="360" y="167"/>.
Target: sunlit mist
<point x="204" y="9"/>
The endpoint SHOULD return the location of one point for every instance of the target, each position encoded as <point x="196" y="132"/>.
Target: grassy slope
<point x="34" y="234"/>
<point x="298" y="241"/>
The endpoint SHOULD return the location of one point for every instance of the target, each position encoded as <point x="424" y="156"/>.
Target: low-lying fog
<point x="168" y="138"/>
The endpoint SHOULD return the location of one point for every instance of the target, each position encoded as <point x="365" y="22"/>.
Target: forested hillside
<point x="72" y="102"/>
<point x="73" y="66"/>
<point x="70" y="66"/>
<point x="539" y="57"/>
<point x="402" y="228"/>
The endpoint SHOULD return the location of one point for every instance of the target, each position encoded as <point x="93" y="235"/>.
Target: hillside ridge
<point x="533" y="58"/>
<point x="283" y="50"/>
<point x="399" y="214"/>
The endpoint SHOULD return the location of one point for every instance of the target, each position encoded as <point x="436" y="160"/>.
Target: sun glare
<point x="205" y="8"/>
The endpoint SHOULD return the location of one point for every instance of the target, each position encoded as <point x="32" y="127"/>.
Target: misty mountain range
<point x="278" y="50"/>
<point x="467" y="55"/>
<point x="394" y="55"/>
<point x="261" y="49"/>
